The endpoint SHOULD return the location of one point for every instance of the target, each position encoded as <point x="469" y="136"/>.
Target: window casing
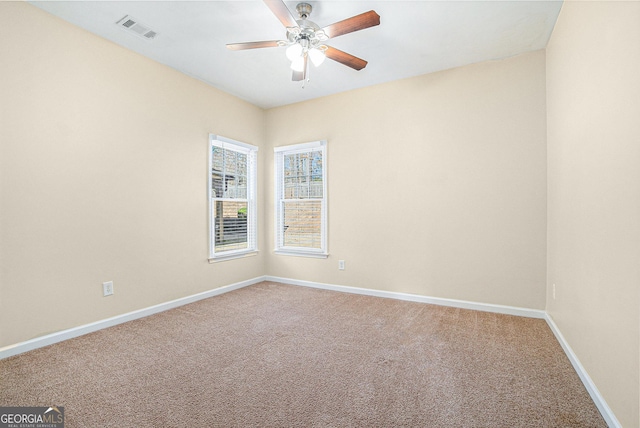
<point x="232" y="198"/>
<point x="301" y="199"/>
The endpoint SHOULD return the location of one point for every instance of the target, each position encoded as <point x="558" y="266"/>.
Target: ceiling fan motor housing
<point x="304" y="10"/>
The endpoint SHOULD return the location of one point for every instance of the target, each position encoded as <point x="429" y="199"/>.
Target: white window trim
<point x="301" y="251"/>
<point x="252" y="206"/>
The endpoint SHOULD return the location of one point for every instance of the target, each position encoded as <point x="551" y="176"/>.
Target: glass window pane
<point x="302" y="224"/>
<point x="302" y="175"/>
<point x="229" y="176"/>
<point x="230" y="220"/>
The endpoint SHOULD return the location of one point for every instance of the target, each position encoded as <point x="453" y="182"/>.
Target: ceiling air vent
<point x="133" y="26"/>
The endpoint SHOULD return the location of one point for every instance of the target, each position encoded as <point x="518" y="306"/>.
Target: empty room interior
<point x="507" y="185"/>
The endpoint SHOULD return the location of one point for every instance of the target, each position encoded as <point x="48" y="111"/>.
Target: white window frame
<point x="279" y="154"/>
<point x="252" y="206"/>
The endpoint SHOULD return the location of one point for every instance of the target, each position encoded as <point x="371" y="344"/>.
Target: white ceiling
<point x="414" y="37"/>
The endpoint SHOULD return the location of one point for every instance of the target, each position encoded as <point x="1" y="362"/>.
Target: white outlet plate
<point x="341" y="264"/>
<point x="107" y="288"/>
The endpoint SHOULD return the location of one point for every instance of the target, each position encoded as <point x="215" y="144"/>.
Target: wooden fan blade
<point x="355" y="23"/>
<point x="282" y="12"/>
<point x="300" y="75"/>
<point x="345" y="58"/>
<point x="253" y="45"/>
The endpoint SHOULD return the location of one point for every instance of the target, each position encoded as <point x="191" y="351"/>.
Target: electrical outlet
<point x="341" y="264"/>
<point x="107" y="288"/>
<point x="554" y="291"/>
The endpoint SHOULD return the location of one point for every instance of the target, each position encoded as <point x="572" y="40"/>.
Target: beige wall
<point x="437" y="184"/>
<point x="103" y="174"/>
<point x="593" y="96"/>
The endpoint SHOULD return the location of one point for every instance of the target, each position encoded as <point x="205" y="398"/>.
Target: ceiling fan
<point x="305" y="40"/>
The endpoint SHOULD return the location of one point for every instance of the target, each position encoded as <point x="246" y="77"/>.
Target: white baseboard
<point x="485" y="307"/>
<point x="597" y="398"/>
<point x="59" y="336"/>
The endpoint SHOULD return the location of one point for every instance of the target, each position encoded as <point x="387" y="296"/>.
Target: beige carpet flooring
<point x="274" y="355"/>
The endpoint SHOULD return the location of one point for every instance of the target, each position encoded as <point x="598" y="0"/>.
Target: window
<point x="301" y="199"/>
<point x="232" y="198"/>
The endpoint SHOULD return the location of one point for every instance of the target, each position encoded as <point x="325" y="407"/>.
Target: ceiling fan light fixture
<point x="317" y="56"/>
<point x="298" y="64"/>
<point x="294" y="52"/>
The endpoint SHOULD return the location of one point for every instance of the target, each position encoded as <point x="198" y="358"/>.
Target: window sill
<point x="224" y="258"/>
<point x="301" y="254"/>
